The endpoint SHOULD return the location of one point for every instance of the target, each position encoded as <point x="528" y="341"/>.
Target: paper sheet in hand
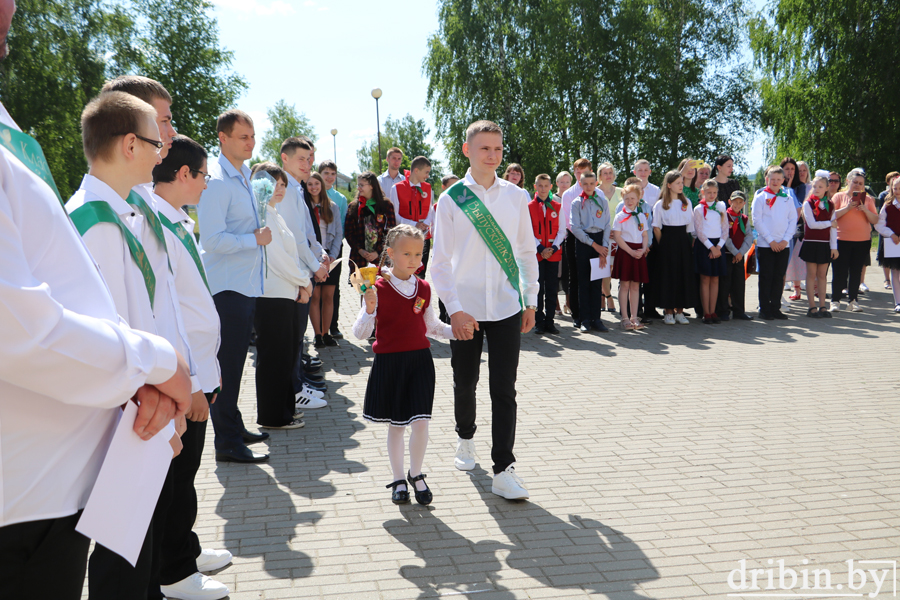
<point x="891" y="250"/>
<point x="121" y="504"/>
<point x="598" y="272"/>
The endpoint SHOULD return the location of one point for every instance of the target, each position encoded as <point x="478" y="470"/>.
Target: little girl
<point x="630" y="267"/>
<point x="889" y="226"/>
<point x="400" y="391"/>
<point x="819" y="244"/>
<point x="711" y="228"/>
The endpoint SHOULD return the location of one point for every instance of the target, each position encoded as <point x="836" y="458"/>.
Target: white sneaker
<point x="196" y="587"/>
<point x="803" y="285"/>
<point x="313" y="392"/>
<point x="508" y="485"/>
<point x="835" y="307"/>
<point x="681" y="319"/>
<point x="785" y="306"/>
<point x="787" y="286"/>
<point x="863" y="287"/>
<point x="855" y="307"/>
<point x="213" y="560"/>
<point x="304" y="400"/>
<point x="897" y="309"/>
<point x="298" y="414"/>
<point x="669" y="319"/>
<point x="465" y="455"/>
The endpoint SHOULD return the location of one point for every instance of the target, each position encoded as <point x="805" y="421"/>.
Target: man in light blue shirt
<point x="392" y="176"/>
<point x="328" y="171"/>
<point x="232" y="241"/>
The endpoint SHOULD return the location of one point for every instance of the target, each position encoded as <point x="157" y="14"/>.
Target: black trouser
<point x="504" y="340"/>
<point x="572" y="268"/>
<point x="847" y="270"/>
<point x="43" y="559"/>
<point x="111" y="577"/>
<point x="300" y="323"/>
<point x="442" y="315"/>
<point x="426" y="251"/>
<point x="590" y="293"/>
<point x="772" y="268"/>
<point x="179" y="546"/>
<point x="276" y="357"/>
<point x="548" y="278"/>
<point x="732" y="283"/>
<point x="236" y="320"/>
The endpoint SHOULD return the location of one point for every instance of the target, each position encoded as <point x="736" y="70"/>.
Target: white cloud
<point x="257" y="7"/>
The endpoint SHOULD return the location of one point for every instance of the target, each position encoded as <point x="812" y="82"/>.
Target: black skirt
<point x="704" y="265"/>
<point x="400" y="388"/>
<point x="817" y="253"/>
<point x="334" y="278"/>
<point x="674" y="278"/>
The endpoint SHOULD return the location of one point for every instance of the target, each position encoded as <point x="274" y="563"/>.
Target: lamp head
<point x="334" y="132"/>
<point x="376" y="93"/>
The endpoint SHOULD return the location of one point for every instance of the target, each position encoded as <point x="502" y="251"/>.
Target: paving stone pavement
<point x="656" y="461"/>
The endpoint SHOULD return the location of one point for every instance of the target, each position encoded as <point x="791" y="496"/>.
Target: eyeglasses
<point x="834" y="181"/>
<point x="159" y="145"/>
<point x="206" y="176"/>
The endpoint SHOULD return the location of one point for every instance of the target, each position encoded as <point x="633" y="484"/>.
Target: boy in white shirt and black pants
<point x="775" y="219"/>
<point x="479" y="289"/>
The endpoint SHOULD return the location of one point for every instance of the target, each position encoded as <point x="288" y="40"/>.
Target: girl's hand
<point x="715" y="252"/>
<point x="834" y="254"/>
<point x="305" y="294"/>
<point x="470" y="329"/>
<point x="371" y="298"/>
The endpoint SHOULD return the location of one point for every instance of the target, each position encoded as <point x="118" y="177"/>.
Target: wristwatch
<point x="531" y="307"/>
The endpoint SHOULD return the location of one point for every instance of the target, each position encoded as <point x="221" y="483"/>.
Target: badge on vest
<point x="419" y="305"/>
<point x="553" y="215"/>
<point x="640" y="226"/>
<point x="599" y="212"/>
<point x="683" y="207"/>
<point x="379" y="218"/>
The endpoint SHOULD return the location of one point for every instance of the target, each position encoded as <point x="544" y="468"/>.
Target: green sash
<point x="490" y="232"/>
<point x="182" y="234"/>
<point x="90" y="213"/>
<point x="26" y="149"/>
<point x="135" y="199"/>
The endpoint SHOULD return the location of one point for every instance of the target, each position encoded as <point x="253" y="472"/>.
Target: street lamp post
<point x="334" y="135"/>
<point x="376" y="93"/>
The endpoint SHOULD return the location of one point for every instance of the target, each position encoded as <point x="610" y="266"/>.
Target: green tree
<point x="830" y="82"/>
<point x="180" y="49"/>
<point x="409" y="135"/>
<point x="286" y="122"/>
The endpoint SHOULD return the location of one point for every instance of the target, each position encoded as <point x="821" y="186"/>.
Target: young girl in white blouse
<point x="400" y="391"/>
<point x="630" y="267"/>
<point x="711" y="229"/>
<point x="674" y="272"/>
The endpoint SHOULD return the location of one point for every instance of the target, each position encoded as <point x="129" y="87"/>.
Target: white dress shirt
<point x="198" y="311"/>
<point x="566" y="212"/>
<point x="678" y="214"/>
<point x="776" y="223"/>
<point x="466" y="275"/>
<point x="285" y="276"/>
<point x="713" y="225"/>
<point x="812" y="223"/>
<point x="651" y="194"/>
<point x="66" y="361"/>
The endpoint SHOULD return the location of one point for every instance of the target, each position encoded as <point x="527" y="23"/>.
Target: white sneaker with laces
<point x="855" y="307"/>
<point x="313" y="391"/>
<point x="465" y="455"/>
<point x="196" y="587"/>
<point x="835" y="307"/>
<point x="303" y="400"/>
<point x="863" y="287"/>
<point x="669" y="319"/>
<point x="213" y="560"/>
<point x="681" y="319"/>
<point x="509" y="485"/>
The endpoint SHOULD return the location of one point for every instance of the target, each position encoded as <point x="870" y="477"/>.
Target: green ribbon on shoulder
<point x="90" y="213"/>
<point x="26" y="149"/>
<point x="135" y="199"/>
<point x="182" y="234"/>
<point x="490" y="231"/>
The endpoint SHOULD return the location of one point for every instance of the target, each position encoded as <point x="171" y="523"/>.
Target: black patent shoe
<point x="318" y="342"/>
<point x="401" y="497"/>
<point x="424" y="497"/>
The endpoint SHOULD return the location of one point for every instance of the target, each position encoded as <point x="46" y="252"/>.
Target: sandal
<point x="401" y="497"/>
<point x="796" y="295"/>
<point x="813" y="312"/>
<point x="638" y="325"/>
<point x="423" y="497"/>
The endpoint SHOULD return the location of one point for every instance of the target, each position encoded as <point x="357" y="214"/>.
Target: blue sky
<point x="326" y="56"/>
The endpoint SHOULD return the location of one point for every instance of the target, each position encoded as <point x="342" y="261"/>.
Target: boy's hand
<point x="895" y="238"/>
<point x="527" y="320"/>
<point x="737" y="257"/>
<point x="547" y="253"/>
<point x="175" y="443"/>
<point x="371" y="298"/>
<point x="199" y="411"/>
<point x="263" y="236"/>
<point x="305" y="294"/>
<point x="603" y="252"/>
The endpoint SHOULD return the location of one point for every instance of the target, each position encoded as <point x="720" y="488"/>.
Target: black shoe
<point x="424" y="497"/>
<point x="715" y="319"/>
<point x="336" y="334"/>
<point x="824" y="314"/>
<point x="538" y="329"/>
<point x="329" y="340"/>
<point x="780" y="316"/>
<point x="766" y="316"/>
<point x="551" y="329"/>
<point x="599" y="326"/>
<point x="401" y="497"/>
<point x="241" y="454"/>
<point x="311" y="361"/>
<point x="318" y="342"/>
<point x="813" y="312"/>
<point x="743" y="317"/>
<point x="584" y="328"/>
<point x="725" y="318"/>
<point x="314" y="377"/>
<point x="706" y="321"/>
<point x="253" y="438"/>
<point x="309" y="370"/>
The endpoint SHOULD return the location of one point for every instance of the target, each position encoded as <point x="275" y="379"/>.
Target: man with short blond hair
<point x="392" y="176"/>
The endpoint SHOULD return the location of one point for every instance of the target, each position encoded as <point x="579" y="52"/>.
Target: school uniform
<point x="632" y="226"/>
<point x="673" y="273"/>
<point x="366" y="226"/>
<point x="732" y="281"/>
<point x="571" y="267"/>
<point x="332" y="238"/>
<point x="401" y="383"/>
<point x="775" y="220"/>
<point x="590" y="224"/>
<point x="711" y="229"/>
<point x="413" y="204"/>
<point x="341" y="201"/>
<point x="545" y="221"/>
<point x="818" y="217"/>
<point x="889" y="225"/>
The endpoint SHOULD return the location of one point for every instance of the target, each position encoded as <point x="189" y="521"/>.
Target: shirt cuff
<point x="708" y="244"/>
<point x="195" y="385"/>
<point x="166" y="360"/>
<point x="721" y="243"/>
<point x="248" y="241"/>
<point x="453" y="307"/>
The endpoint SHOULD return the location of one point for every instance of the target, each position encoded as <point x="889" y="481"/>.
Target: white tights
<point x="418" y="441"/>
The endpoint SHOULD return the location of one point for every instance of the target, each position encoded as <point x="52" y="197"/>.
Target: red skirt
<point x="629" y="268"/>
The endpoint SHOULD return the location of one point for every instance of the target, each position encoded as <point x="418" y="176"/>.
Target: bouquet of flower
<point x="263" y="186"/>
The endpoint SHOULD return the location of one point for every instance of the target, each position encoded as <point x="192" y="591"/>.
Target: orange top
<point x="853" y="226"/>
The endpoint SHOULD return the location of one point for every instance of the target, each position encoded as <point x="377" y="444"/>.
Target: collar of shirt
<point x="243" y="175"/>
<point x="100" y="189"/>
<point x="175" y="215"/>
<point x="470" y="182"/>
<point x="397" y="179"/>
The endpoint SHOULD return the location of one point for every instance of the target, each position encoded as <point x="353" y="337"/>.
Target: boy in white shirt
<point x="775" y="220"/>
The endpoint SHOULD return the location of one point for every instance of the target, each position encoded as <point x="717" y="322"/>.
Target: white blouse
<point x="434" y="328"/>
<point x="629" y="229"/>
<point x="284" y="276"/>
<point x="678" y="214"/>
<point x="713" y="225"/>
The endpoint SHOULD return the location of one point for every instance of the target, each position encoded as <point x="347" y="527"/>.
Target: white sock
<point x="418" y="441"/>
<point x="395" y="453"/>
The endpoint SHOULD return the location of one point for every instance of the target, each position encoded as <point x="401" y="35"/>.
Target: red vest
<point x="400" y="323"/>
<point x="892" y="218"/>
<point x="735" y="233"/>
<point x="546" y="226"/>
<point x="413" y="206"/>
<point x="819" y="235"/>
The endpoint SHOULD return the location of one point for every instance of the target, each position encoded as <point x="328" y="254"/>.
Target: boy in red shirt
<point x="548" y="235"/>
